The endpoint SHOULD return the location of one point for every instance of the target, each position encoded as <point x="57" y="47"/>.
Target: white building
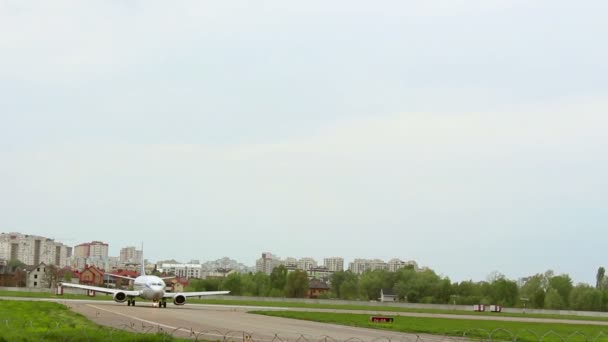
<point x="396" y="264"/>
<point x="334" y="264"/>
<point x="306" y="263"/>
<point x="33" y="250"/>
<point x="183" y="270"/>
<point x="267" y="263"/>
<point x="359" y="266"/>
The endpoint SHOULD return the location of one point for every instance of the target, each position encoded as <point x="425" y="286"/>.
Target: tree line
<point x="541" y="291"/>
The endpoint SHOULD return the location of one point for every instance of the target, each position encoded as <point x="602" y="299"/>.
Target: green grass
<point x="387" y="309"/>
<point x="499" y="330"/>
<point x="44" y="321"/>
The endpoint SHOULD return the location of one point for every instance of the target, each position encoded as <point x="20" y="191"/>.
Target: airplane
<point x="149" y="287"/>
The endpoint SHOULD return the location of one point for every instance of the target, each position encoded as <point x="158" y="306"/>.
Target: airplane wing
<point x="195" y="294"/>
<point x="101" y="289"/>
<point x="119" y="276"/>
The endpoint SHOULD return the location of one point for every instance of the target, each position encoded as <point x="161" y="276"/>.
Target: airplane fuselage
<point x="150" y="287"/>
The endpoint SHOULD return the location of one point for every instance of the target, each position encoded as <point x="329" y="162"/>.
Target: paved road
<point x="212" y="322"/>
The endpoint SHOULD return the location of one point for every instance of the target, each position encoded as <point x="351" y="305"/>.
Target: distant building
<point x="317" y="288"/>
<point x="321" y="273"/>
<point x="182" y="270"/>
<point x="33" y="250"/>
<point x="306" y="263"/>
<point x="334" y="264"/>
<point x="96" y="249"/>
<point x="36" y="276"/>
<point x="396" y="264"/>
<point x="91" y="275"/>
<point x="130" y="255"/>
<point x="267" y="263"/>
<point x="387" y="295"/>
<point x="359" y="266"/>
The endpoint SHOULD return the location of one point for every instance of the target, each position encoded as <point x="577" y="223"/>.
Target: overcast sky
<point x="471" y="136"/>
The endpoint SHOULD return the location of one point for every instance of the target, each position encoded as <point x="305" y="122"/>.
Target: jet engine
<point x="179" y="299"/>
<point x="120" y="297"/>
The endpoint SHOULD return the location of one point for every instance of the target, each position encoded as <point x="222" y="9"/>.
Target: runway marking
<point x="191" y="331"/>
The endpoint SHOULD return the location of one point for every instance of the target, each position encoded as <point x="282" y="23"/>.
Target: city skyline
<point x="469" y="136"/>
<point x="361" y="264"/>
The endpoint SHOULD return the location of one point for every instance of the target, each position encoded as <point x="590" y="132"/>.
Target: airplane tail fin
<point x="142" y="265"/>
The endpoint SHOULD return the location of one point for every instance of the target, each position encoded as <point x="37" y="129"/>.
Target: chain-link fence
<point x="13" y="330"/>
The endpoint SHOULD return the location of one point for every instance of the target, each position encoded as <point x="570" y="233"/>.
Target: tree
<point x="599" y="278"/>
<point x="553" y="300"/>
<point x="296" y="285"/>
<point x="534" y="290"/>
<point x="563" y="285"/>
<point x="349" y="289"/>
<point x="585" y="297"/>
<point x="278" y="278"/>
<point x="51" y="274"/>
<point x="338" y="279"/>
<point x="262" y="283"/>
<point x="15" y="265"/>
<point x="232" y="283"/>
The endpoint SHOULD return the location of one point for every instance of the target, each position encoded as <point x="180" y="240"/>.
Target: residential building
<point x="182" y="270"/>
<point x="36" y="276"/>
<point x="130" y="255"/>
<point x="96" y="249"/>
<point x="91" y="275"/>
<point x="33" y="250"/>
<point x="334" y="264"/>
<point x="267" y="263"/>
<point x="322" y="273"/>
<point x="306" y="263"/>
<point x="317" y="288"/>
<point x="396" y="264"/>
<point x="359" y="266"/>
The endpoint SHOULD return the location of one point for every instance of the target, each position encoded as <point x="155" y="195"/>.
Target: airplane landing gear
<point x="131" y="302"/>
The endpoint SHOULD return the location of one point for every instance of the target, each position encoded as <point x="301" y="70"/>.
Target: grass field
<point x="487" y="330"/>
<point x="388" y="309"/>
<point x="43" y="321"/>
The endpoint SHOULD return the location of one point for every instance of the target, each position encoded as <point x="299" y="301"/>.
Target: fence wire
<point x="15" y="330"/>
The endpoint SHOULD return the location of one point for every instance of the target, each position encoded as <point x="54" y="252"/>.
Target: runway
<point x="212" y="322"/>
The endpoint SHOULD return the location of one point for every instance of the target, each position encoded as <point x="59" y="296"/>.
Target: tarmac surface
<point x="213" y="322"/>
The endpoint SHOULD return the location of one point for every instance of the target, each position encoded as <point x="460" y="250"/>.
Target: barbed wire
<point x="53" y="330"/>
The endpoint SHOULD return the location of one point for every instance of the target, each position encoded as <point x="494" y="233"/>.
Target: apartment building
<point x="96" y="249"/>
<point x="267" y="263"/>
<point x="182" y="270"/>
<point x="130" y="255"/>
<point x="33" y="249"/>
<point x="334" y="264"/>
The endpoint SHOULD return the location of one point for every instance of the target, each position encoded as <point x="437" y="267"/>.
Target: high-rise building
<point x="396" y="264"/>
<point x="359" y="266"/>
<point x="267" y="263"/>
<point x="334" y="264"/>
<point x="130" y="255"/>
<point x="306" y="263"/>
<point x="32" y="249"/>
<point x="96" y="249"/>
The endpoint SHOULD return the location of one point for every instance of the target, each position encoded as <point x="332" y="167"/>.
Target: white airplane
<point x="148" y="287"/>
